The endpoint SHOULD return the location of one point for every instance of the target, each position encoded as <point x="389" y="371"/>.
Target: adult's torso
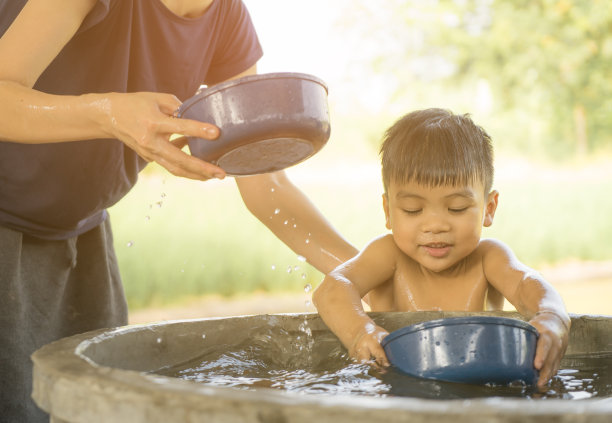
<point x="59" y="190"/>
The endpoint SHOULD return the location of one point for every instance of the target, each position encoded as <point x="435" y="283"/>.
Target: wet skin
<point x="435" y="259"/>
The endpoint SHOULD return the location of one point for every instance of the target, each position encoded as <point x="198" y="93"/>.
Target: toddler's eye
<point x="457" y="209"/>
<point x="412" y="211"/>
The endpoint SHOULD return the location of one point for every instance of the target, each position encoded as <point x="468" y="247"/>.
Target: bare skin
<point x="274" y="200"/>
<point x="143" y="121"/>
<point x="435" y="260"/>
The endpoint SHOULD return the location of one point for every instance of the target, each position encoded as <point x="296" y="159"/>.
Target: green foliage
<point x="548" y="59"/>
<point x="177" y="239"/>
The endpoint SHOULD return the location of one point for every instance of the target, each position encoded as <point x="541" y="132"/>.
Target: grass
<point x="177" y="239"/>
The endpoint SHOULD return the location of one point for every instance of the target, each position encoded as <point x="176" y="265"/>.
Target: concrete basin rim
<point x="495" y="405"/>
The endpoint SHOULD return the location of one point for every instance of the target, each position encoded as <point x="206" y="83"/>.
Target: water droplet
<point x="307" y="288"/>
<point x="163" y="195"/>
<point x="159" y="340"/>
<point x="296" y="268"/>
<point x="307" y="241"/>
<point x="271" y="189"/>
<point x="130" y="243"/>
<point x="438" y="343"/>
<point x="303" y="275"/>
<point x="303" y="327"/>
<point x="294" y="225"/>
<point x="273" y="267"/>
<point x="147" y="218"/>
<point x="276" y="211"/>
<point x="159" y="204"/>
<point x="308" y="303"/>
<point x="288" y="269"/>
<point x="285" y="222"/>
<point x="203" y="336"/>
<point x="301" y="258"/>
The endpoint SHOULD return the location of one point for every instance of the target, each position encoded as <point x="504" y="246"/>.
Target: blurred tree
<point x="549" y="58"/>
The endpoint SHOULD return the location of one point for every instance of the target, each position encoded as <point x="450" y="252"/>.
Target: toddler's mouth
<point x="437" y="249"/>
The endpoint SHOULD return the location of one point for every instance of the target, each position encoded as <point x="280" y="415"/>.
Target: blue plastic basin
<point x="474" y="349"/>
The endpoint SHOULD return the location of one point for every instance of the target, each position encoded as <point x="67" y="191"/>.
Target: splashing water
<point x="314" y="362"/>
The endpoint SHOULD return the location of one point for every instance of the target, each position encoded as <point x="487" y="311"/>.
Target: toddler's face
<point x="438" y="227"/>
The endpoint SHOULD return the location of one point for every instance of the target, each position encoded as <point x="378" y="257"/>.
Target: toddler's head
<point x="434" y="147"/>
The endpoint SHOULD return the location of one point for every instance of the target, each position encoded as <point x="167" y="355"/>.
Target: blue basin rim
<point x="473" y="320"/>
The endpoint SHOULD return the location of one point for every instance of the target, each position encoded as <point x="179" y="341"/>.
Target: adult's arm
<point x="274" y="200"/>
<point x="143" y="121"/>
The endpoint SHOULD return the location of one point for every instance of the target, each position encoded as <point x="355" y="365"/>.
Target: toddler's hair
<point x="435" y="147"/>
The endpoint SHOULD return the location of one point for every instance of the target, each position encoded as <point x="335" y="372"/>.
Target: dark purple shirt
<point x="56" y="191"/>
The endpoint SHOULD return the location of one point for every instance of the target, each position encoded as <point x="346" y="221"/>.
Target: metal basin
<point x="268" y="122"/>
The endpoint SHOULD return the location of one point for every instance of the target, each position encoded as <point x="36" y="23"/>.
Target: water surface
<point x="315" y="363"/>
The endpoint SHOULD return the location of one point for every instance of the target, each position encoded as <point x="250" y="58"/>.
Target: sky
<point x="297" y="36"/>
<point x="312" y="37"/>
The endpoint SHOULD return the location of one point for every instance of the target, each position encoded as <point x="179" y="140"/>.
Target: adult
<point x="88" y="91"/>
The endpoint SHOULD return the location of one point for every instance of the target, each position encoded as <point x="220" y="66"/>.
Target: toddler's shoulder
<point x="382" y="240"/>
<point x="495" y="251"/>
<point x="382" y="244"/>
<point x="492" y="245"/>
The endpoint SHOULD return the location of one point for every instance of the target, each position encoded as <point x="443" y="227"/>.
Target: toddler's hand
<point x="367" y="348"/>
<point x="554" y="332"/>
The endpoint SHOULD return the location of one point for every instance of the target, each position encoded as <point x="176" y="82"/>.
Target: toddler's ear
<point x="490" y="208"/>
<point x="385" y="199"/>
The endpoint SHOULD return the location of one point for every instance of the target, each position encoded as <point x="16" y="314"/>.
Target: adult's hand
<point x="145" y="122"/>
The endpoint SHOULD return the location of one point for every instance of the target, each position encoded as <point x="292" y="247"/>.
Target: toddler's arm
<point x="534" y="298"/>
<point x="338" y="300"/>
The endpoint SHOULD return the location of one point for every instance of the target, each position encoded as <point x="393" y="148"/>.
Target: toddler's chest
<point x="464" y="290"/>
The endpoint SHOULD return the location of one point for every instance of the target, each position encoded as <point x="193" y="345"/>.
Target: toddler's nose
<point x="435" y="223"/>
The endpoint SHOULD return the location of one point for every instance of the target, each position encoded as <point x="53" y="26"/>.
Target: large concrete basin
<point x="100" y="377"/>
